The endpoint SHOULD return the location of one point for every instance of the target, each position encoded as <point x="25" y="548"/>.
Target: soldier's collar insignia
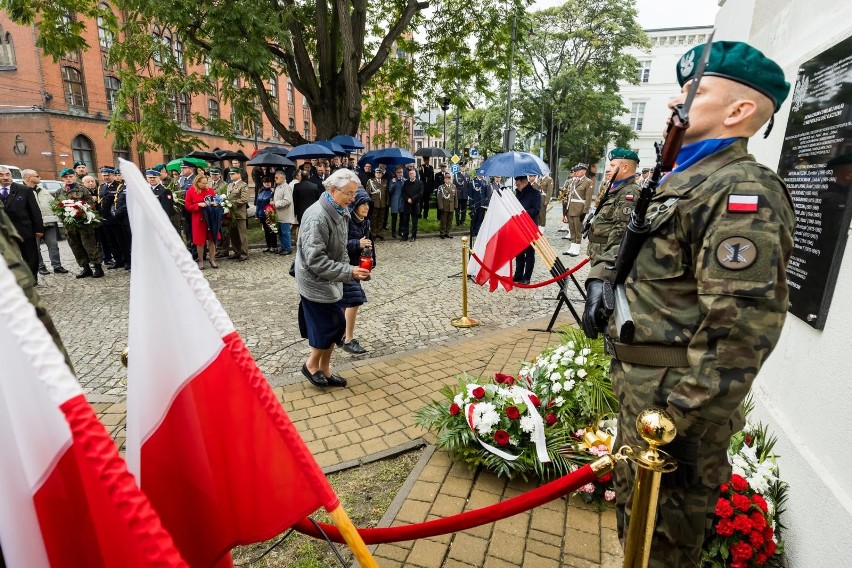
<point x="736" y="253"/>
<point x="743" y="203"/>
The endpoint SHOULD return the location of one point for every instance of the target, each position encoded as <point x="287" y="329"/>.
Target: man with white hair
<point x="23" y="210"/>
<point x="322" y="265"/>
<point x="51" y="223"/>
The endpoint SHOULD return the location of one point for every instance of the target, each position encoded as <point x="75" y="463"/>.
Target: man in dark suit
<point x="22" y="208"/>
<point x="305" y="194"/>
<point x="530" y="199"/>
<point x="427" y="175"/>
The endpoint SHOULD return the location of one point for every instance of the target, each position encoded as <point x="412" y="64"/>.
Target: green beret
<point x="738" y="62"/>
<point x="235" y="171"/>
<point x="214" y="171"/>
<point x="67" y="171"/>
<point x="624" y="154"/>
<point x="159" y="167"/>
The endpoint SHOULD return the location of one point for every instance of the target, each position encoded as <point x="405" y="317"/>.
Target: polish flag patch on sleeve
<point x="743" y="203"/>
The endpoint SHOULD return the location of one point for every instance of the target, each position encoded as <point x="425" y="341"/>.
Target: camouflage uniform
<point x="82" y="241"/>
<point x="710" y="282"/>
<point x="608" y="227"/>
<point x="10" y="252"/>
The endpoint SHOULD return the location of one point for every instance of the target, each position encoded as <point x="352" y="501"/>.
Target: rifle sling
<point x="648" y="355"/>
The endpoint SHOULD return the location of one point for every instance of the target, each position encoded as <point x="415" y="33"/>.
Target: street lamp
<point x="445" y="105"/>
<point x="507" y="133"/>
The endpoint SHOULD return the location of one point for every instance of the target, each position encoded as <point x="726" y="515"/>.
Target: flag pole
<point x="464" y="321"/>
<point x="351" y="536"/>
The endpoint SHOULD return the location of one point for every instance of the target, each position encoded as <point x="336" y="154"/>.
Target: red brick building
<point x="55" y="113"/>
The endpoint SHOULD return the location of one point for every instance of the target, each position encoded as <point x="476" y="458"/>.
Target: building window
<point x="306" y="114"/>
<point x="292" y="124"/>
<point x="72" y="85"/>
<point x="273" y="88"/>
<point x="7" y="49"/>
<point x="123" y="153"/>
<point x="179" y="53"/>
<point x="644" y="70"/>
<point x="237" y="124"/>
<point x="82" y="150"/>
<point x="637" y="115"/>
<point x="307" y="129"/>
<point x="212" y="109"/>
<point x="183" y="108"/>
<point x="105" y="35"/>
<point x="111" y="84"/>
<point x="290" y="92"/>
<point x="156" y="54"/>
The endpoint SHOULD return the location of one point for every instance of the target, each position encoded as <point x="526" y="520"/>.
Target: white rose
<point x="556" y="387"/>
<point x="580" y="360"/>
<point x="582" y="374"/>
<point x="568" y="385"/>
<point x="569" y="373"/>
<point x="555" y="377"/>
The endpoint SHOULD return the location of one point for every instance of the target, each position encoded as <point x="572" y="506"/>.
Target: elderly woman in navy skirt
<point x="353" y="293"/>
<point x="322" y="266"/>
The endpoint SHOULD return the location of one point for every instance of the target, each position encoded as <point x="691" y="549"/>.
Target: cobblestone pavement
<point x="411" y="301"/>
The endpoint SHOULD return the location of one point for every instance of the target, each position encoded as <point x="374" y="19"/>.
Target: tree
<point x="335" y="52"/>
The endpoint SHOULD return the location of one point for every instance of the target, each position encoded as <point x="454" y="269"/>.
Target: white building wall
<point x="804" y="392"/>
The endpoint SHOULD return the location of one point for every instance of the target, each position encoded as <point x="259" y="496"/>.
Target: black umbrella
<point x="432" y="152"/>
<point x="281" y="151"/>
<point x="213" y="216"/>
<point x="270" y="159"/>
<point x="231" y="155"/>
<point x="208" y="156"/>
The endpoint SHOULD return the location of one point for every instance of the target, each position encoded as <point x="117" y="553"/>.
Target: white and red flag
<point x="209" y="442"/>
<point x="66" y="497"/>
<point x="506" y="231"/>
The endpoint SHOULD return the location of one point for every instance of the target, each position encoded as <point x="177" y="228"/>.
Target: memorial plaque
<point x="816" y="164"/>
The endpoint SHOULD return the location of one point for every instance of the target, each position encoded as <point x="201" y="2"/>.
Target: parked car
<point x="16" y="173"/>
<point x="52" y="186"/>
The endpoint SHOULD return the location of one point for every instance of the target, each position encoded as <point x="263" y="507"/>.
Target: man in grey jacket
<point x="322" y="265"/>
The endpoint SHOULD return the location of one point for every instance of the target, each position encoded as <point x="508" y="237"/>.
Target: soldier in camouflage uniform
<point x="610" y="220"/>
<point x="708" y="293"/>
<point x="81" y="239"/>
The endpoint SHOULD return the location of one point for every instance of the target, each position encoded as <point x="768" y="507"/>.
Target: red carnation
<point x="454" y="409"/>
<point x="741" y="502"/>
<point x="756" y="539"/>
<point x="742" y="524"/>
<point x="739" y="483"/>
<point x="512" y="412"/>
<point x="748" y="440"/>
<point x="760" y="559"/>
<point x="758" y="521"/>
<point x="724" y="509"/>
<point x="738" y="565"/>
<point x="501" y="437"/>
<point x="723" y="488"/>
<point x="479" y="392"/>
<point x="606" y="478"/>
<point x="741" y="551"/>
<point x="535" y="401"/>
<point x="770" y="547"/>
<point x="550" y="419"/>
<point x="502" y="378"/>
<point x="510" y="381"/>
<point x="768" y="533"/>
<point x="725" y="527"/>
<point x="760" y="502"/>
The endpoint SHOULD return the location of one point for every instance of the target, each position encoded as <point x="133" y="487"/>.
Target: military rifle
<point x="603" y="195"/>
<point x="639" y="226"/>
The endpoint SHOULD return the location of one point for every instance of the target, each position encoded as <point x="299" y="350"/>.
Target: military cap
<point x="66" y="172"/>
<point x="738" y="62"/>
<point x="623" y="154"/>
<point x="522" y="177"/>
<point x="152" y="173"/>
<point x="235" y="170"/>
<point x="186" y="164"/>
<point x="579" y="167"/>
<point x="214" y="171"/>
<point x="159" y="167"/>
<point x="79" y="163"/>
<point x="107" y="170"/>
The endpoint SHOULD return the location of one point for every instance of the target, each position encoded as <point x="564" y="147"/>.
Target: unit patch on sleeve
<point x="736" y="253"/>
<point x="742" y="203"/>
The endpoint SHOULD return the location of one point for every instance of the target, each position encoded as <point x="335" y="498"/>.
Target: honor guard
<point x="577" y="198"/>
<point x="377" y="189"/>
<point x="448" y="201"/>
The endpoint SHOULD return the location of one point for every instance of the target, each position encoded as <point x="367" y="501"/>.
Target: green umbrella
<point x="174" y="165"/>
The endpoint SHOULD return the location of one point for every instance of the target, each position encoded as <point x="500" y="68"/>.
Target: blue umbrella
<point x="307" y="151"/>
<point x="213" y="217"/>
<point x="514" y="164"/>
<point x="393" y="157"/>
<point x="368" y="157"/>
<point x="348" y="142"/>
<point x="333" y="146"/>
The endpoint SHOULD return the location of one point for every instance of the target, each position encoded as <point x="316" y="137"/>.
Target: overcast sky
<point x="655" y="14"/>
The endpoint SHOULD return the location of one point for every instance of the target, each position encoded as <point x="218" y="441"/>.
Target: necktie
<point x="4" y="192"/>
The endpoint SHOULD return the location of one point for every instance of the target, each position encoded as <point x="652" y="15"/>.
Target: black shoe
<point x="316" y="379"/>
<point x="43" y="271"/>
<point x="412" y="239"/>
<point x="98" y="271"/>
<point x="127" y="266"/>
<point x="449" y="236"/>
<point x="115" y="266"/>
<point x="339" y="342"/>
<point x="354" y="347"/>
<point x="84" y="273"/>
<point x="335" y="381"/>
<point x="59" y="270"/>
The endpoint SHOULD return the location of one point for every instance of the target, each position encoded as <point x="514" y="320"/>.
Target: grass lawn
<point x="365" y="493"/>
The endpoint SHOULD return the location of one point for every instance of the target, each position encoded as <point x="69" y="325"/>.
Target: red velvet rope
<point x="463" y="521"/>
<point x="493" y="273"/>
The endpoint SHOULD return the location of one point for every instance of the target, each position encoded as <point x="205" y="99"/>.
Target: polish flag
<point x="504" y="234"/>
<point x="743" y="203"/>
<point x="66" y="497"/>
<point x="208" y="441"/>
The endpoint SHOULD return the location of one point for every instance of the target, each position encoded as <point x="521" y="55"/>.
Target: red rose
<point x="606" y="478"/>
<point x="502" y="378"/>
<point x="724" y="488"/>
<point x="454" y="409"/>
<point x="512" y="412"/>
<point x="741" y="551"/>
<point x="742" y="524"/>
<point x="510" y="381"/>
<point x="748" y="440"/>
<point x="770" y="547"/>
<point x="758" y="521"/>
<point x="724" y="509"/>
<point x="741" y="502"/>
<point x="738" y="483"/>
<point x="725" y="528"/>
<point x="534" y="400"/>
<point x="550" y="419"/>
<point x="756" y="539"/>
<point x="760" y="502"/>
<point x="479" y="392"/>
<point x="501" y="437"/>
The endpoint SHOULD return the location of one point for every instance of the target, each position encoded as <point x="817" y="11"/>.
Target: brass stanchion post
<point x="464" y="321"/>
<point x="657" y="428"/>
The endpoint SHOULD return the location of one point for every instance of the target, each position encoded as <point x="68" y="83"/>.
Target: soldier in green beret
<point x="607" y="228"/>
<point x="707" y="293"/>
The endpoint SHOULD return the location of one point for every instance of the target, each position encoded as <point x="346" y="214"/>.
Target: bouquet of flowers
<point x="748" y="513"/>
<point x="590" y="444"/>
<point x="271" y="217"/>
<point x="522" y="425"/>
<point x="72" y="213"/>
<point x="227" y="207"/>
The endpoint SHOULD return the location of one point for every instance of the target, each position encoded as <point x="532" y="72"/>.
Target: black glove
<point x="591" y="323"/>
<point x="685" y="451"/>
